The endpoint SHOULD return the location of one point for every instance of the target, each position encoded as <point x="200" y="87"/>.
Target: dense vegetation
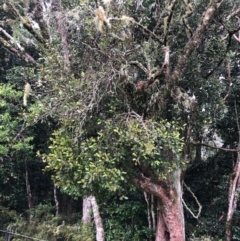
<point x="120" y="119"/>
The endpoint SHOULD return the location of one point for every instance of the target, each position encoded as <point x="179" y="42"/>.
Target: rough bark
<point x="161" y="233"/>
<point x="97" y="220"/>
<point x="170" y="226"/>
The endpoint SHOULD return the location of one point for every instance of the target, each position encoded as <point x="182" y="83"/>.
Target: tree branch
<point x="57" y="10"/>
<point x="38" y="16"/>
<point x="149" y="186"/>
<point x="26" y="23"/>
<point x="214" y="147"/>
<point x="22" y="55"/>
<point x="194" y="41"/>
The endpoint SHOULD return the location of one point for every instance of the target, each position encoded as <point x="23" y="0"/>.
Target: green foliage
<point x="6" y="217"/>
<point x="109" y="131"/>
<point x="45" y="226"/>
<point x="8" y="116"/>
<point x="115" y="154"/>
<point x="126" y="219"/>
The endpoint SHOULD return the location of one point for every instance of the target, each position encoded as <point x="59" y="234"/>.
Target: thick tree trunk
<point x="232" y="199"/>
<point x="170" y="223"/>
<point x="170" y="226"/>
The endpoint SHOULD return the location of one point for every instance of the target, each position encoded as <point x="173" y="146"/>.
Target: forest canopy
<point x="120" y="119"/>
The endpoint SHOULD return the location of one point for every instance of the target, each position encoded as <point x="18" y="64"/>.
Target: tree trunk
<point x="150" y="226"/>
<point x="97" y="220"/>
<point x="56" y="199"/>
<point x="28" y="189"/>
<point x="90" y="203"/>
<point x="170" y="225"/>
<point x="170" y="222"/>
<point x="86" y="215"/>
<point x="232" y="199"/>
<point x="153" y="214"/>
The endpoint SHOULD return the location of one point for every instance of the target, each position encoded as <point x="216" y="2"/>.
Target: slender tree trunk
<point x="153" y="212"/>
<point x="97" y="220"/>
<point x="232" y="199"/>
<point x="148" y="210"/>
<point x="170" y="225"/>
<point x="28" y="189"/>
<point x="56" y="199"/>
<point x="86" y="227"/>
<point x="86" y="211"/>
<point x="233" y="187"/>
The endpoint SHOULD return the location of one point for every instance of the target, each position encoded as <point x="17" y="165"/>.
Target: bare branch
<point x="13" y="41"/>
<point x="198" y="203"/>
<point x="214" y="147"/>
<point x="22" y="55"/>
